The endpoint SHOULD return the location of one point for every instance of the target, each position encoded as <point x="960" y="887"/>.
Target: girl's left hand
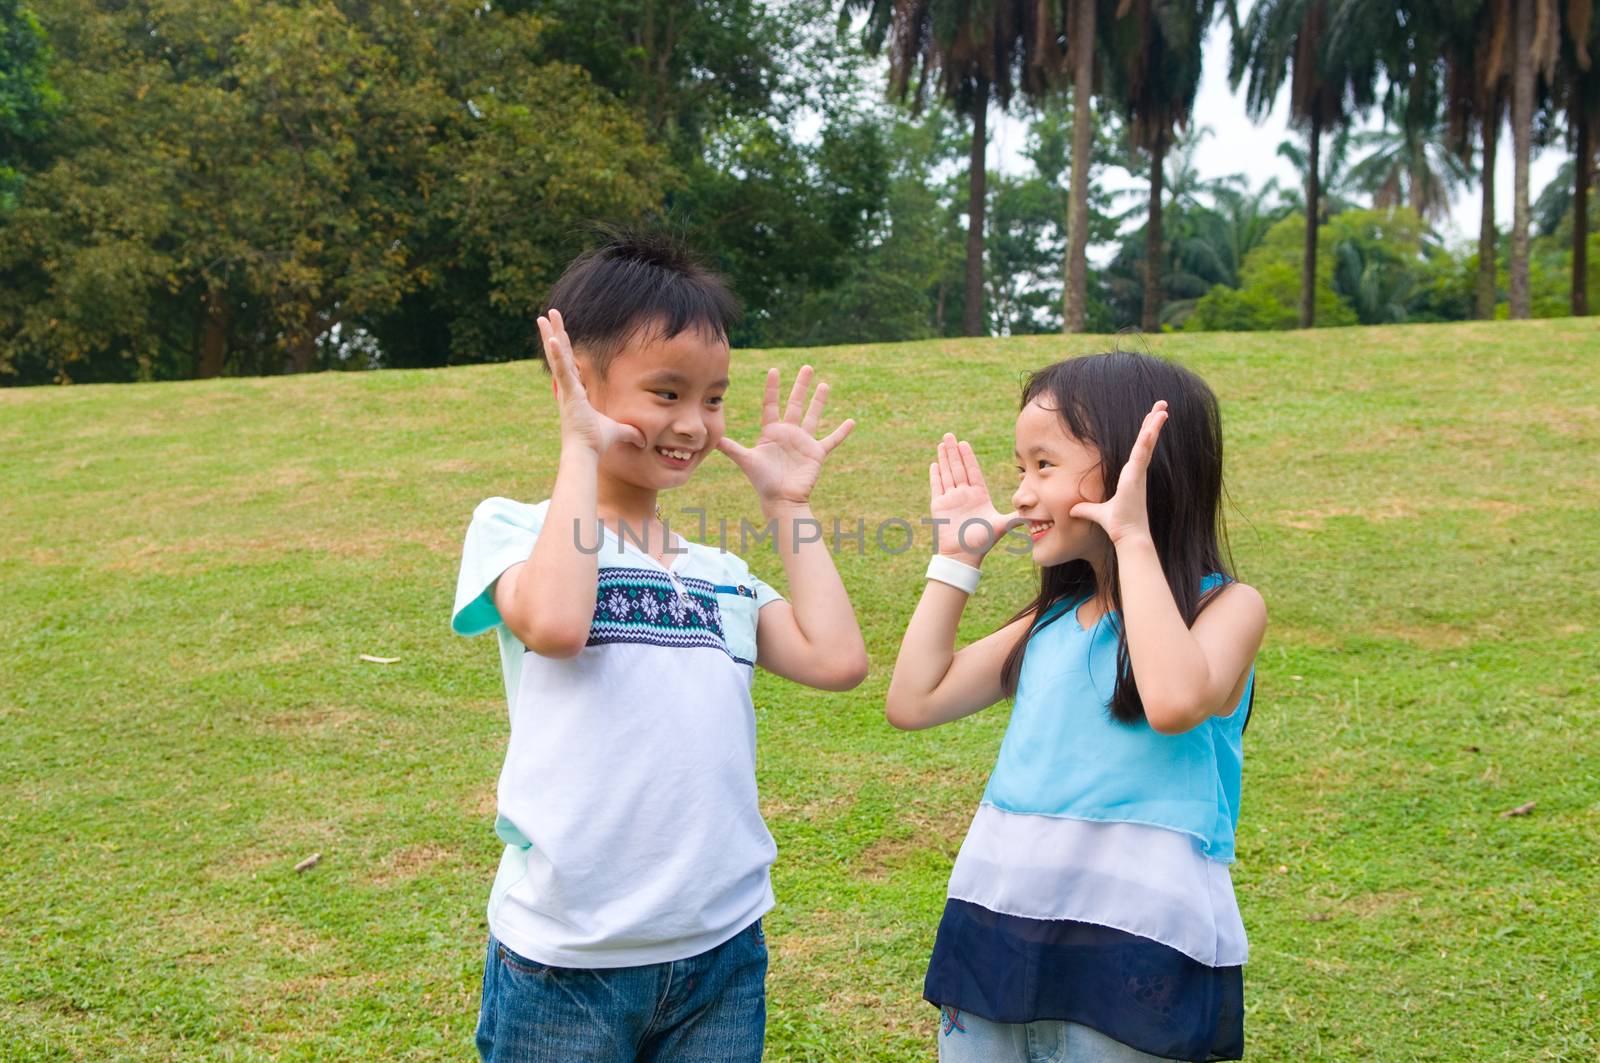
<point x="1124" y="514"/>
<point x="784" y="464"/>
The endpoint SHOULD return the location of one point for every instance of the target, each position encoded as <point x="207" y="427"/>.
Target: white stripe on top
<point x="1141" y="879"/>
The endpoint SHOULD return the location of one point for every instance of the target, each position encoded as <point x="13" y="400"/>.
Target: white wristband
<point x="961" y="576"/>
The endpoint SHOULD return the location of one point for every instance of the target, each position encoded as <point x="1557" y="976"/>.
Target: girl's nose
<point x="1021" y="496"/>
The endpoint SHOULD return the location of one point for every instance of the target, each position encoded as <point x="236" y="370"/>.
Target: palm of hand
<point x="960" y="498"/>
<point x="787" y="459"/>
<point x="785" y="463"/>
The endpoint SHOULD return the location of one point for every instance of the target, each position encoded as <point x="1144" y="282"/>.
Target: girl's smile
<point x="1057" y="472"/>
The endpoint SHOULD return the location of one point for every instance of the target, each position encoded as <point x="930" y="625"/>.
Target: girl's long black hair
<point x="1102" y="400"/>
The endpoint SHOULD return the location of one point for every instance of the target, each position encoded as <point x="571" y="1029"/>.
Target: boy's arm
<point x="548" y="601"/>
<point x="814" y="640"/>
<point x="1185" y="675"/>
<point x="933" y="682"/>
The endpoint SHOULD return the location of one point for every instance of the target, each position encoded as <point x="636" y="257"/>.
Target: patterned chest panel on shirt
<point x="641" y="605"/>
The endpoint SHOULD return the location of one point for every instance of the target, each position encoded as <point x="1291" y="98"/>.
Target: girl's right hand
<point x="581" y="424"/>
<point x="967" y="523"/>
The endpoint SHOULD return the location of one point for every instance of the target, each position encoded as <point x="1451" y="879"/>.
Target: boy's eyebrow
<point x="672" y="376"/>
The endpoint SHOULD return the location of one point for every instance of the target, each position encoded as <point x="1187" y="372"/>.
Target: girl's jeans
<point x="965" y="1038"/>
<point x="710" y="1008"/>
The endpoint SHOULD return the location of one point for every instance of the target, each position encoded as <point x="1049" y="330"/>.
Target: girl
<point x="1090" y="912"/>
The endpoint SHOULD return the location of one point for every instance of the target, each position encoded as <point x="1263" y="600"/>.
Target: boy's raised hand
<point x="784" y="464"/>
<point x="967" y="522"/>
<point x="1125" y="514"/>
<point x="581" y="423"/>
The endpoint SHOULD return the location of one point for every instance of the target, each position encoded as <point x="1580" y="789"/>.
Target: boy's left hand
<point x="784" y="464"/>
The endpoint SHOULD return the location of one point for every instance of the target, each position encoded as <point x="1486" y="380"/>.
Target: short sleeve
<point x="765" y="595"/>
<point x="502" y="534"/>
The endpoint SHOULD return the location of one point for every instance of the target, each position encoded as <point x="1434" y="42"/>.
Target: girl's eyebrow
<point x="1037" y="448"/>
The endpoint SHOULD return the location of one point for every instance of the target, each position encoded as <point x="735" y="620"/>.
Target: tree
<point x="971" y="51"/>
<point x="1407" y="163"/>
<point x="26" y="95"/>
<point x="1475" y="43"/>
<point x="1155" y="49"/>
<point x="1580" y="101"/>
<point x="256" y="187"/>
<point x="1335" y="187"/>
<point x="1536" y="40"/>
<point x="1285" y="41"/>
<point x="1081" y="42"/>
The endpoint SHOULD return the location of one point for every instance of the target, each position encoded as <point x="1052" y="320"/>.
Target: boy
<point x="625" y="921"/>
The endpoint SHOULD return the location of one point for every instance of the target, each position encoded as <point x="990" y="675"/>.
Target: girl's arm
<point x="1185" y="675"/>
<point x="933" y="683"/>
<point x="554" y="620"/>
<point x="814" y="639"/>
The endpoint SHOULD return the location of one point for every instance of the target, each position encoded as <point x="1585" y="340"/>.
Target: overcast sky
<point x="1236" y="145"/>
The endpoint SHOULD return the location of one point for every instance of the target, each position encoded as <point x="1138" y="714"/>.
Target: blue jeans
<point x="710" y="1008"/>
<point x="966" y="1038"/>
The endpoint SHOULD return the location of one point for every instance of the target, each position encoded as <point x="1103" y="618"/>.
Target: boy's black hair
<point x="1102" y="400"/>
<point x="639" y="279"/>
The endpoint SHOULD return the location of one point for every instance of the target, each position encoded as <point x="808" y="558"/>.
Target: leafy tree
<point x="26" y="96"/>
<point x="252" y="187"/>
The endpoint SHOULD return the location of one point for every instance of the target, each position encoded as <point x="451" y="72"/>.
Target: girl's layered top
<point x="1093" y="884"/>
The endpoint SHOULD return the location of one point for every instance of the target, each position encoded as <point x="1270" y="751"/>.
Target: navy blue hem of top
<point x="1149" y="996"/>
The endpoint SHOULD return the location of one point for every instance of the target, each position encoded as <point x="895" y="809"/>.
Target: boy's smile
<point x="670" y="390"/>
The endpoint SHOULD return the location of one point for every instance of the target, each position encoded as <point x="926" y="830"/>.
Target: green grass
<point x="191" y="571"/>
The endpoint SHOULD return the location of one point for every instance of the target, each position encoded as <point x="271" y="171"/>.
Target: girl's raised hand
<point x="581" y="424"/>
<point x="784" y="464"/>
<point x="967" y="524"/>
<point x="1124" y="514"/>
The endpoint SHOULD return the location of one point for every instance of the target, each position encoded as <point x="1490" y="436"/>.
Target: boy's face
<point x="1057" y="472"/>
<point x="671" y="391"/>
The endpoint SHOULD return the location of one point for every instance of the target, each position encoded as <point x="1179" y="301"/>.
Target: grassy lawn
<point x="192" y="571"/>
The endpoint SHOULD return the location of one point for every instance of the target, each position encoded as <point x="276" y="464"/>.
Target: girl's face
<point x="1058" y="471"/>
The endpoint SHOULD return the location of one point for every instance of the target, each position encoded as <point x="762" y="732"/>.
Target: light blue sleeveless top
<point x="1064" y="755"/>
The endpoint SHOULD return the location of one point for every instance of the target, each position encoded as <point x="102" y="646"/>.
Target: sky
<point x="1236" y="145"/>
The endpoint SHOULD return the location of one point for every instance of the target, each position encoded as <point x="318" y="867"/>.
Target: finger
<point x="969" y="464"/>
<point x="627" y="433"/>
<point x="814" y="410"/>
<point x="1094" y="511"/>
<point x="797" y="395"/>
<point x="769" y="400"/>
<point x="738" y="452"/>
<point x="1009" y="521"/>
<point x="935" y="484"/>
<point x="838" y="435"/>
<point x="1144" y="447"/>
<point x="948" y="464"/>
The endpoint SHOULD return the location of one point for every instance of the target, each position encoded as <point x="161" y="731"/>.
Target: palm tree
<point x="1580" y="100"/>
<point x="1335" y="187"/>
<point x="1408" y="163"/>
<point x="1536" y="40"/>
<point x="1081" y="42"/>
<point x="1475" y="43"/>
<point x="1284" y="42"/>
<point x="971" y="50"/>
<point x="1155" y="49"/>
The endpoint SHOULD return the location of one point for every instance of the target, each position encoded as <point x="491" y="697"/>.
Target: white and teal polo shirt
<point x="628" y="796"/>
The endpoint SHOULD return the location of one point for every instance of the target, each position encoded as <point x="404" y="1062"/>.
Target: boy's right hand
<point x="581" y="424"/>
<point x="960" y="496"/>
